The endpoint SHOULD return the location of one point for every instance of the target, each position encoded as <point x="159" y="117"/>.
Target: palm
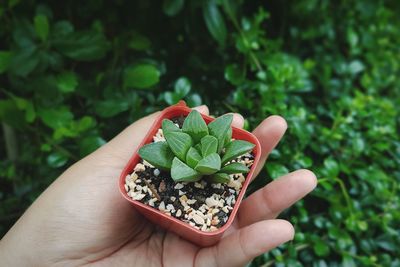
<point x="84" y="211"/>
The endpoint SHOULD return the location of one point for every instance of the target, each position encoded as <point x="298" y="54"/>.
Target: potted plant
<point x="190" y="173"/>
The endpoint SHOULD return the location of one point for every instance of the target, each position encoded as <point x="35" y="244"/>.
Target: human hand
<point x="81" y="219"/>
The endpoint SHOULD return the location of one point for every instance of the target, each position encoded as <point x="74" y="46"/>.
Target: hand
<point x="81" y="219"/>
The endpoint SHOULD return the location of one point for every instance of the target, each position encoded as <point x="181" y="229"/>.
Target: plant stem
<point x="11" y="142"/>
<point x="243" y="36"/>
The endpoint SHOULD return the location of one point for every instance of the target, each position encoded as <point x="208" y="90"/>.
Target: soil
<point x="205" y="206"/>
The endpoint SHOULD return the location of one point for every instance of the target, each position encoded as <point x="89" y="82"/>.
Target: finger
<point x="202" y="109"/>
<point x="238" y="120"/>
<point x="244" y="244"/>
<point x="269" y="201"/>
<point x="269" y="133"/>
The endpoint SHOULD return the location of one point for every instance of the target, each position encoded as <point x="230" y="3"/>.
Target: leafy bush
<point x="73" y="76"/>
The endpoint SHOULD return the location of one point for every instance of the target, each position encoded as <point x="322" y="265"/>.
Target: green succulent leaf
<point x="169" y="126"/>
<point x="235" y="167"/>
<point x="219" y="127"/>
<point x="235" y="149"/>
<point x="193" y="157"/>
<point x="228" y="137"/>
<point x="209" y="164"/>
<point x="180" y="172"/>
<point x="198" y="147"/>
<point x="209" y="145"/>
<point x="179" y="143"/>
<point x="158" y="154"/>
<point x="195" y="126"/>
<point x="219" y="177"/>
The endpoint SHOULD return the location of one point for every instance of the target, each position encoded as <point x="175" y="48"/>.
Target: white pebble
<point x="146" y="163"/>
<point x="178" y="186"/>
<point x="191" y="201"/>
<point x="139" y="196"/>
<point x="126" y="187"/>
<point x="213" y="228"/>
<point x="156" y="172"/>
<point x="161" y="206"/>
<point x="178" y="213"/>
<point x="198" y="185"/>
<point x="151" y="202"/>
<point x="144" y="189"/>
<point x="170" y="207"/>
<point x="198" y="219"/>
<point x="225" y="209"/>
<point x="139" y="167"/>
<point x="212" y="202"/>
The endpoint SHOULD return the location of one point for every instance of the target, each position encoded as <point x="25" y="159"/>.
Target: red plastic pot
<point x="170" y="223"/>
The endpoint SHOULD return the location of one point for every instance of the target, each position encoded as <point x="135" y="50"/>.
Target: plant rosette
<point x="190" y="173"/>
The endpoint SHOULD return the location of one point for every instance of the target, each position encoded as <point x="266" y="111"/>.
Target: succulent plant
<point x="198" y="150"/>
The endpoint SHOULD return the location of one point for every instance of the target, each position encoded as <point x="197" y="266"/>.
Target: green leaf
<point x="193" y="157"/>
<point x="61" y="29"/>
<point x="24" y="61"/>
<point x="180" y="172"/>
<point x="171" y="98"/>
<point x="27" y="106"/>
<point x="89" y="144"/>
<point x="356" y="67"/>
<point x="219" y="127"/>
<point x="172" y="7"/>
<point x="111" y="107"/>
<point x="276" y="170"/>
<point x="209" y="145"/>
<point x="236" y="148"/>
<point x="141" y="76"/>
<point x="332" y="168"/>
<point x="5" y="58"/>
<point x="214" y="21"/>
<point x="209" y="164"/>
<point x="179" y="143"/>
<point x="321" y="248"/>
<point x="158" y="154"/>
<point x="56" y="160"/>
<point x="234" y="74"/>
<point x="67" y="82"/>
<point x="219" y="177"/>
<point x="235" y="167"/>
<point x="83" y="46"/>
<point x="228" y="136"/>
<point x="198" y="147"/>
<point x="56" y="117"/>
<point x="41" y="27"/>
<point x="139" y="42"/>
<point x="169" y="126"/>
<point x="195" y="126"/>
<point x="193" y="100"/>
<point x="182" y="87"/>
<point x="11" y="114"/>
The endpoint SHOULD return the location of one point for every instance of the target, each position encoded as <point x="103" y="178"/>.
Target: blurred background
<point x="75" y="73"/>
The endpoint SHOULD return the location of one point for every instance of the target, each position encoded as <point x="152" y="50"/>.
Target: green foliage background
<point x="74" y="75"/>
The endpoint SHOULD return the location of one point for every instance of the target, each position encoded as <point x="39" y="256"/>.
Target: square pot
<point x="171" y="223"/>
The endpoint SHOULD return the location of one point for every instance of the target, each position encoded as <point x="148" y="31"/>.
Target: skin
<point x="82" y="220"/>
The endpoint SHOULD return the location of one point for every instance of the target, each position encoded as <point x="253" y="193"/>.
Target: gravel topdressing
<point x="205" y="206"/>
